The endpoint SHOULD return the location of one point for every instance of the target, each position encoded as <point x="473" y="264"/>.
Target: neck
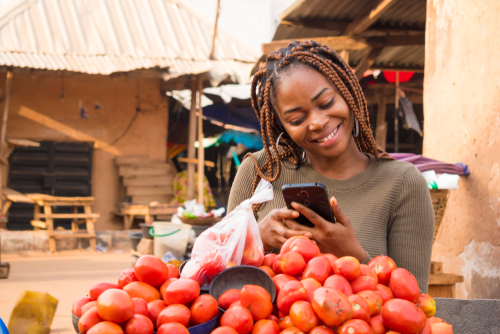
<point x="348" y="164"/>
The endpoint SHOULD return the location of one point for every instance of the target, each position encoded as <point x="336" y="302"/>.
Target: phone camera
<point x="307" y="203"/>
<point x="304" y="194"/>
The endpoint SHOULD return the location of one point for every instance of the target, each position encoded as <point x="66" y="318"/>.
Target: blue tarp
<point x="250" y="140"/>
<point x="244" y="117"/>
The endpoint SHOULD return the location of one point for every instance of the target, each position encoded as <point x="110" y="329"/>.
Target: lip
<point x="331" y="140"/>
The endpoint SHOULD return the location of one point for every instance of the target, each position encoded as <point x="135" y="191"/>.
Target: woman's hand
<point x="338" y="239"/>
<point x="274" y="233"/>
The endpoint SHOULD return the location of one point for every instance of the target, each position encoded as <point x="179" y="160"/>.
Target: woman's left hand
<point x="338" y="239"/>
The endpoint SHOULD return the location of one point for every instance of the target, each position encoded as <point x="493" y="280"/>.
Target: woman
<point x="315" y="128"/>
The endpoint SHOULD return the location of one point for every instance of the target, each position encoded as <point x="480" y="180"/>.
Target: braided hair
<point x="264" y="84"/>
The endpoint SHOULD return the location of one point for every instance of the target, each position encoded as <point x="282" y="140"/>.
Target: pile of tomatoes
<point x="146" y="298"/>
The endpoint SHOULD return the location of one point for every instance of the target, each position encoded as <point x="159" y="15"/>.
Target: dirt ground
<point x="66" y="276"/>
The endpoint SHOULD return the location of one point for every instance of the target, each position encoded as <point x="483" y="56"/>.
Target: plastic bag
<point x="233" y="241"/>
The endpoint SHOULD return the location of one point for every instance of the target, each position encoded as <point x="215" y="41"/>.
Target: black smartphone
<point x="311" y="195"/>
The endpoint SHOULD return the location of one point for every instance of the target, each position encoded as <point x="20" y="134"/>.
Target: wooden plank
<point x="368" y="16"/>
<point x="381" y="127"/>
<point x="444" y="279"/>
<point x="442" y="291"/>
<point x="436" y="267"/>
<point x="136" y="210"/>
<point x="367" y="61"/>
<point x="69" y="215"/>
<point x="22" y="142"/>
<point x="148" y="181"/>
<point x="132" y="159"/>
<point x="191" y="140"/>
<point x="195" y="161"/>
<point x="332" y="25"/>
<point x="134" y="191"/>
<point x="201" y="149"/>
<point x="335" y="43"/>
<point x="146" y="199"/>
<point x="39" y="224"/>
<point x="72" y="235"/>
<point x="149" y="169"/>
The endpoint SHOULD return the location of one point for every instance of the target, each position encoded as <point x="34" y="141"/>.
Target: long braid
<point x="330" y="64"/>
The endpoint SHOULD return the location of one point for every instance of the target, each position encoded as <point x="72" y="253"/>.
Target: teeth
<point x="329" y="136"/>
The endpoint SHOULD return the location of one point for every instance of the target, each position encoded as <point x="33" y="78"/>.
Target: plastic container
<point x="205" y="328"/>
<point x="135" y="238"/>
<point x="74" y="320"/>
<point x="145" y="231"/>
<point x="170" y="237"/>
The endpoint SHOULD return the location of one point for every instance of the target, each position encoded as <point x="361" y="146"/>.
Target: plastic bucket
<point x="135" y="238"/>
<point x="170" y="237"/>
<point x="145" y="231"/>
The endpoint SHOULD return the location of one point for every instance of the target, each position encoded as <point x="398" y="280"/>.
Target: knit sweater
<point x="388" y="204"/>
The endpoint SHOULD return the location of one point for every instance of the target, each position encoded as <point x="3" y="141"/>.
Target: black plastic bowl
<point x="75" y="319"/>
<point x="239" y="276"/>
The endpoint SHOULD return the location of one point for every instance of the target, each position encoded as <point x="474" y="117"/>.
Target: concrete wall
<point x="462" y="124"/>
<point x="37" y="112"/>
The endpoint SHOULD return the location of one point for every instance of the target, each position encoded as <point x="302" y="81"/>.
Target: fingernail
<point x="295" y="214"/>
<point x="294" y="204"/>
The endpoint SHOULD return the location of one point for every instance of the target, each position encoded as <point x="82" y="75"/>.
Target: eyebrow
<point x="319" y="94"/>
<point x="291" y="110"/>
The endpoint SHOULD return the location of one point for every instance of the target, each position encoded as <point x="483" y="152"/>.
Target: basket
<point x="200" y="221"/>
<point x="439" y="200"/>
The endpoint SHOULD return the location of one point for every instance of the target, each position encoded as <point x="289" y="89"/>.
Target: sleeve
<point x="241" y="189"/>
<point x="411" y="230"/>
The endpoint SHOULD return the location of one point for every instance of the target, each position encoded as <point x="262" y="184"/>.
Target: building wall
<point x="462" y="124"/>
<point x="37" y="112"/>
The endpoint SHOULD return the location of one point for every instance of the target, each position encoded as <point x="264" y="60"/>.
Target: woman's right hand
<point x="274" y="233"/>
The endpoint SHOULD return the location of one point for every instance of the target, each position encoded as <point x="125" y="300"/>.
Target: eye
<point x="327" y="105"/>
<point x="297" y="122"/>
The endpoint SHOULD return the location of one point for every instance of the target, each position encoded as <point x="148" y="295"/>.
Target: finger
<point x="340" y="216"/>
<point x="293" y="225"/>
<point x="312" y="216"/>
<point x="284" y="213"/>
<point x="289" y="232"/>
<point x="278" y="241"/>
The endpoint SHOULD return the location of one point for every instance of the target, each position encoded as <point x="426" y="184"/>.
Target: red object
<point x="151" y="270"/>
<point x="390" y="76"/>
<point x="404" y="285"/>
<point x="115" y="305"/>
<point x="403" y="316"/>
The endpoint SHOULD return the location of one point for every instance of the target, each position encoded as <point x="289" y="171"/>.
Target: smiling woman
<point x="315" y="128"/>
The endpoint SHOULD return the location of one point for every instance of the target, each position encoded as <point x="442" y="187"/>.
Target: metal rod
<point x="215" y="30"/>
<point x="396" y="115"/>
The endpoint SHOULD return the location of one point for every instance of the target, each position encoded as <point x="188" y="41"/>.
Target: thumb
<point x="340" y="216"/>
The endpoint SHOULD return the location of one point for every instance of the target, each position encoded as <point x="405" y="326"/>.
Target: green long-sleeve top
<point x="389" y="206"/>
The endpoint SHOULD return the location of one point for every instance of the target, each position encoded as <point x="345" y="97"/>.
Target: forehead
<point x="300" y="82"/>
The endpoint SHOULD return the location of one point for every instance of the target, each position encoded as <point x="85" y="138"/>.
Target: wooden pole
<point x="8" y="83"/>
<point x="381" y="128"/>
<point x="215" y="30"/>
<point x="201" y="149"/>
<point x="191" y="140"/>
<point x="396" y="115"/>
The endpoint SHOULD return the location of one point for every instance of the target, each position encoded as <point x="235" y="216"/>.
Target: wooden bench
<point x="149" y="213"/>
<point x="441" y="284"/>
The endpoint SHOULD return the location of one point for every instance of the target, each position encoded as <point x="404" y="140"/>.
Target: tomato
<point x="331" y="306"/>
<point x="269" y="260"/>
<point x="265" y="327"/>
<point x="236" y="303"/>
<point x="318" y="268"/>
<point x="253" y="256"/>
<point x="277" y="264"/>
<point x="212" y="263"/>
<point x="154" y="309"/>
<point x="303" y="316"/>
<point x="427" y="329"/>
<point x="292" y="330"/>
<point x="339" y="283"/>
<point x="290" y="293"/>
<point x="285" y="322"/>
<point x="331" y="258"/>
<point x="403" y="316"/>
<point x="377" y="324"/>
<point x="311" y="285"/>
<point x="365" y="270"/>
<point x="280" y="280"/>
<point x="434" y="320"/>
<point x="321" y="330"/>
<point x="238" y="318"/>
<point x="230" y="264"/>
<point x="392" y="332"/>
<point x="204" y="309"/>
<point x="404" y="285"/>
<point x="355" y="326"/>
<point x="97" y="288"/>
<point x="139" y="324"/>
<point x="172" y="328"/>
<point x="115" y="305"/>
<point x="292" y="263"/>
<point x="77" y="305"/>
<point x="427" y="304"/>
<point x="373" y="299"/>
<point x="106" y="327"/>
<point x="173" y="271"/>
<point x="442" y="328"/>
<point x="257" y="300"/>
<point x="163" y="287"/>
<point x="348" y="267"/>
<point x="151" y="270"/>
<point x="88" y="319"/>
<point x="174" y="313"/>
<point x="140" y="306"/>
<point x="126" y="277"/>
<point x="307" y="248"/>
<point x="228" y="297"/>
<point x="268" y="271"/>
<point x="384" y="292"/>
<point x="360" y="308"/>
<point x="362" y="283"/>
<point x="224" y="330"/>
<point x="383" y="267"/>
<point x="142" y="290"/>
<point x="182" y="291"/>
<point x="88" y="306"/>
<point x="273" y="318"/>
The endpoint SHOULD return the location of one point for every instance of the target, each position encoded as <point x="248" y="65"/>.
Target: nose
<point x="318" y="120"/>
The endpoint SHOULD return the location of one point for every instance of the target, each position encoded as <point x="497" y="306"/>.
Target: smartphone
<point x="311" y="195"/>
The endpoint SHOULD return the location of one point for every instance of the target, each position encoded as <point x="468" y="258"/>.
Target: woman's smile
<point x="330" y="138"/>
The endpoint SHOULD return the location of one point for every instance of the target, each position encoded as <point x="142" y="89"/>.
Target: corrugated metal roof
<point x="106" y="36"/>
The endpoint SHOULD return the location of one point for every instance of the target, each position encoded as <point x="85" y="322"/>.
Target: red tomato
<point x="404" y="285"/>
<point x="77" y="305"/>
<point x="182" y="291"/>
<point x="154" y="309"/>
<point x="163" y="287"/>
<point x="142" y="290"/>
<point x="303" y="245"/>
<point x="139" y="324"/>
<point x="88" y="306"/>
<point x="126" y="277"/>
<point x="374" y="301"/>
<point x="151" y="270"/>
<point x="333" y="314"/>
<point x="212" y="263"/>
<point x="292" y="330"/>
<point x="174" y="313"/>
<point x="331" y="258"/>
<point x="238" y="318"/>
<point x="140" y="306"/>
<point x="427" y="329"/>
<point x="88" y="319"/>
<point x="173" y="271"/>
<point x="257" y="300"/>
<point x="303" y="316"/>
<point x="115" y="305"/>
<point x="442" y="328"/>
<point x="383" y="267"/>
<point x="360" y="308"/>
<point x="277" y="264"/>
<point x="228" y="297"/>
<point x="292" y="263"/>
<point x="224" y="330"/>
<point x="321" y="330"/>
<point x="377" y="324"/>
<point x="348" y="267"/>
<point x="268" y="271"/>
<point x="204" y="309"/>
<point x="427" y="304"/>
<point x="339" y="283"/>
<point x="403" y="316"/>
<point x="285" y="322"/>
<point x="434" y="320"/>
<point x="290" y="293"/>
<point x="311" y="285"/>
<point x="236" y="303"/>
<point x="172" y="328"/>
<point x="280" y="280"/>
<point x="365" y="270"/>
<point x="106" y="327"/>
<point x="253" y="256"/>
<point x="273" y="318"/>
<point x="269" y="260"/>
<point x="384" y="292"/>
<point x="362" y="283"/>
<point x="97" y="288"/>
<point x="265" y="327"/>
<point x="355" y="326"/>
<point x="318" y="268"/>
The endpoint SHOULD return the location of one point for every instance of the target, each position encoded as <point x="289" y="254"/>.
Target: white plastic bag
<point x="233" y="241"/>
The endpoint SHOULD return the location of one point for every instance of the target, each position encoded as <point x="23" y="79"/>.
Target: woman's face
<point x="314" y="113"/>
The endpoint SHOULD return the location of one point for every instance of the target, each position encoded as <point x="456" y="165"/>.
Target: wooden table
<point x="441" y="284"/>
<point x="47" y="202"/>
<point x="148" y="212"/>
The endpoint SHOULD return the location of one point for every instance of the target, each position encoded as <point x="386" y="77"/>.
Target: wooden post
<point x="8" y="83"/>
<point x="215" y="31"/>
<point x="201" y="149"/>
<point x="381" y="128"/>
<point x="191" y="140"/>
<point x="396" y="116"/>
<point x="345" y="55"/>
